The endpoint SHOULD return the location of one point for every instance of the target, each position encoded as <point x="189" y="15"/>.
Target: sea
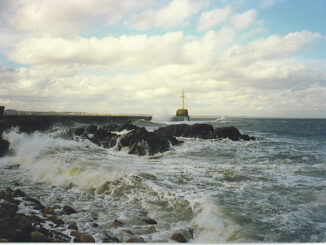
<point x="272" y="189"/>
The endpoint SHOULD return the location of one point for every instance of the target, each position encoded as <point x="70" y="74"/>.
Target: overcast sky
<point x="232" y="57"/>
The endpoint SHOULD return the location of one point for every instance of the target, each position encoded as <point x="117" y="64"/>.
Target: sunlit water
<point x="272" y="189"/>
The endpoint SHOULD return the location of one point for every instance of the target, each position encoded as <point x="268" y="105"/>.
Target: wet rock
<point x="91" y="129"/>
<point x="56" y="220"/>
<point x="141" y="142"/>
<point x="178" y="237"/>
<point x="75" y="234"/>
<point x="33" y="200"/>
<point x="48" y="211"/>
<point x="4" y="146"/>
<point x="3" y="240"/>
<point x="8" y="209"/>
<point x="135" y="239"/>
<point x="95" y="225"/>
<point x="86" y="238"/>
<point x="39" y="207"/>
<point x="37" y="236"/>
<point x="199" y="130"/>
<point x="69" y="210"/>
<point x="35" y="219"/>
<point x="79" y="131"/>
<point x="128" y="232"/>
<point x="117" y="223"/>
<point x="104" y="138"/>
<point x="172" y="130"/>
<point x="17" y="235"/>
<point x="15" y="201"/>
<point x="19" y="193"/>
<point x="73" y="226"/>
<point x="57" y="235"/>
<point x="111" y="239"/>
<point x="150" y="221"/>
<point x="230" y="132"/>
<point x="23" y="223"/>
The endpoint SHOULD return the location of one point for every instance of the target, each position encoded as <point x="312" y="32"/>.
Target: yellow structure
<point x="182" y="113"/>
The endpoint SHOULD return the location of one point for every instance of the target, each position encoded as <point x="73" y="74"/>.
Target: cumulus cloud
<point x="62" y="17"/>
<point x="244" y="20"/>
<point x="214" y="17"/>
<point x="174" y="14"/>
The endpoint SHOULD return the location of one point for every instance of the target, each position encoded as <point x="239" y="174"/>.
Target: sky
<point x="256" y="58"/>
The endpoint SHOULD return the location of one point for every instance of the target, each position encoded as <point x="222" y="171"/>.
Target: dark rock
<point x="117" y="223"/>
<point x="73" y="226"/>
<point x="48" y="211"/>
<point x="15" y="201"/>
<point x="17" y="235"/>
<point x="8" y="209"/>
<point x="86" y="238"/>
<point x="127" y="127"/>
<point x="75" y="234"/>
<point x="79" y="131"/>
<point x="150" y="221"/>
<point x="135" y="239"/>
<point x="37" y="236"/>
<point x="227" y="132"/>
<point x="4" y="146"/>
<point x="178" y="237"/>
<point x="35" y="219"/>
<point x="57" y="235"/>
<point x="111" y="239"/>
<point x="19" y="193"/>
<point x="142" y="142"/>
<point x="252" y="138"/>
<point x="23" y="223"/>
<point x="39" y="207"/>
<point x="69" y="210"/>
<point x="91" y="129"/>
<point x="3" y="240"/>
<point x="56" y="220"/>
<point x="33" y="200"/>
<point x="198" y="130"/>
<point x="95" y="225"/>
<point x="172" y="130"/>
<point x="244" y="137"/>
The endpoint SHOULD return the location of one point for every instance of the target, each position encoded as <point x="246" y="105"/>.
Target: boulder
<point x="150" y="221"/>
<point x="91" y="129"/>
<point x="172" y="130"/>
<point x="232" y="133"/>
<point x="37" y="236"/>
<point x="117" y="223"/>
<point x="73" y="226"/>
<point x="86" y="238"/>
<point x="4" y="146"/>
<point x="19" y="193"/>
<point x="178" y="237"/>
<point x="141" y="142"/>
<point x="104" y="138"/>
<point x="69" y="210"/>
<point x="48" y="210"/>
<point x="8" y="209"/>
<point x="199" y="130"/>
<point x="135" y="239"/>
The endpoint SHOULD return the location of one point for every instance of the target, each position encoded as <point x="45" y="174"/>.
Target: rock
<point x="95" y="225"/>
<point x="73" y="226"/>
<point x="17" y="235"/>
<point x="172" y="130"/>
<point x="128" y="232"/>
<point x="23" y="223"/>
<point x="39" y="207"/>
<point x="19" y="193"/>
<point x="117" y="223"/>
<point x="150" y="221"/>
<point x="141" y="142"/>
<point x="37" y="236"/>
<point x="199" y="130"/>
<point x="48" y="211"/>
<point x="75" y="234"/>
<point x="3" y="240"/>
<point x="15" y="201"/>
<point x="227" y="132"/>
<point x="104" y="138"/>
<point x="178" y="237"/>
<point x="111" y="239"/>
<point x="56" y="220"/>
<point x="4" y="146"/>
<point x="69" y="210"/>
<point x="35" y="219"/>
<point x="33" y="200"/>
<point x="86" y="238"/>
<point x="91" y="129"/>
<point x="8" y="209"/>
<point x="135" y="239"/>
<point x="79" y="131"/>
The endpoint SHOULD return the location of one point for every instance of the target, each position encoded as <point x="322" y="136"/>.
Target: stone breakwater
<point x="26" y="219"/>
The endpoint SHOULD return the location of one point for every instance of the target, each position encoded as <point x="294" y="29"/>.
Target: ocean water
<point x="269" y="190"/>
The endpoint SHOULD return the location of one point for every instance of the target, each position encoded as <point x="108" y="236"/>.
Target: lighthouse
<point x="182" y="113"/>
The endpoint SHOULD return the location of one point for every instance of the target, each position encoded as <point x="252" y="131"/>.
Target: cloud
<point x="62" y="17"/>
<point x="214" y="17"/>
<point x="172" y="15"/>
<point x="244" y="20"/>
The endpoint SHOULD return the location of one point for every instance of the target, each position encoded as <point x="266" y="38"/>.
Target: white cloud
<point x="174" y="14"/>
<point x="214" y="17"/>
<point x="68" y="17"/>
<point x="244" y="20"/>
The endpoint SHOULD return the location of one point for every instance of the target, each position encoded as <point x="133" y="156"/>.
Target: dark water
<point x="269" y="190"/>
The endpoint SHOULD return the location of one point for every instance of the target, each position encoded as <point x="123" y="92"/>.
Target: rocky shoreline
<point x="26" y="219"/>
